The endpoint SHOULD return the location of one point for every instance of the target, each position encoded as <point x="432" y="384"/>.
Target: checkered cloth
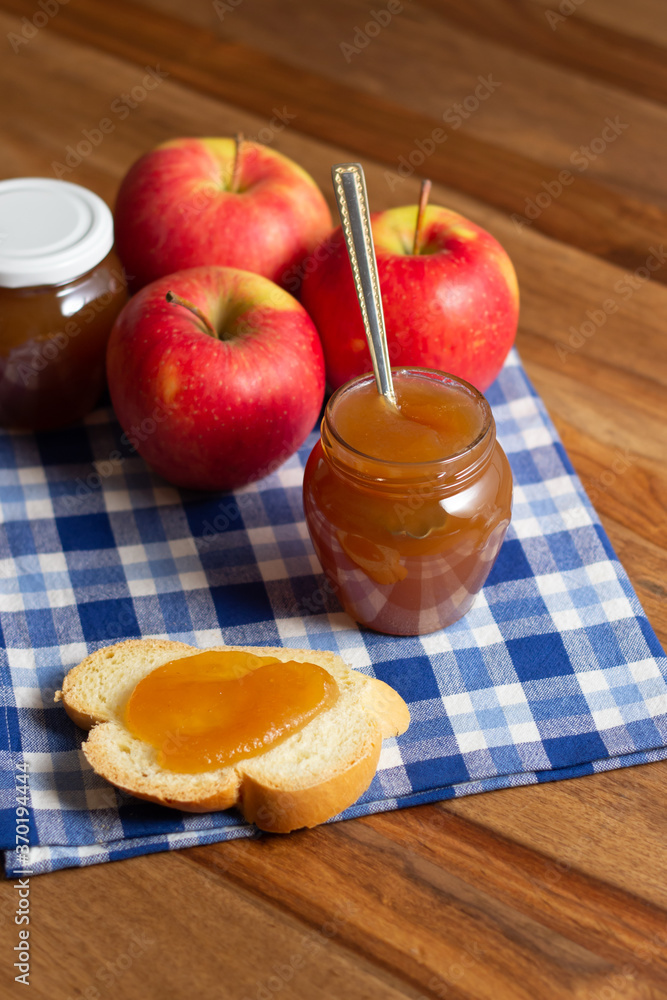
<point x="554" y="672"/>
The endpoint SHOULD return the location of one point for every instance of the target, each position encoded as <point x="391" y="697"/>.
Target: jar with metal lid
<point x="61" y="288"/>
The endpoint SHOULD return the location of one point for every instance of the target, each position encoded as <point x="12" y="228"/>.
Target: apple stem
<point x="236" y="168"/>
<point x="423" y="199"/>
<point x="195" y="310"/>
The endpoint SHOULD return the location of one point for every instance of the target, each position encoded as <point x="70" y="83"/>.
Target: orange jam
<point x="407" y="505"/>
<point x="212" y="709"/>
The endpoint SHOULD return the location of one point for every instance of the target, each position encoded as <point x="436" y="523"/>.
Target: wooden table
<point x="537" y="893"/>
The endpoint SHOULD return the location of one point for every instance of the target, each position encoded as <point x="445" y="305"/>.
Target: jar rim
<point x="441" y="464"/>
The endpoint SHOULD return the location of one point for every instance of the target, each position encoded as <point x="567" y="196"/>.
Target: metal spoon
<point x="350" y="188"/>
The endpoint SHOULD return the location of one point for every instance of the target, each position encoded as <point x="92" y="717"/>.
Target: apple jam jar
<point x="407" y="505"/>
<point x="61" y="288"/>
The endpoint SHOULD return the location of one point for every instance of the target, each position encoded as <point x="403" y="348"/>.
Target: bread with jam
<point x="310" y="776"/>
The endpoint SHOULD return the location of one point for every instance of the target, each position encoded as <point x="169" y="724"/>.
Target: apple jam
<point x="61" y="289"/>
<point x="209" y="710"/>
<point x="407" y="506"/>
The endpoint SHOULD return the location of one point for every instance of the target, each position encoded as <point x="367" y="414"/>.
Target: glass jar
<point x="61" y="288"/>
<point x="407" y="545"/>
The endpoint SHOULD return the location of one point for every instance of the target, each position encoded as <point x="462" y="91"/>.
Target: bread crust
<point x="279" y="811"/>
<point x="94" y="695"/>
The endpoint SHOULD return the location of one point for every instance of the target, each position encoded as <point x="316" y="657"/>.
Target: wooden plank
<point x="426" y="63"/>
<point x="586" y="214"/>
<point x="593" y="49"/>
<point x="609" y="826"/>
<point x="160" y="927"/>
<point x="513" y="931"/>
<point x="647" y="21"/>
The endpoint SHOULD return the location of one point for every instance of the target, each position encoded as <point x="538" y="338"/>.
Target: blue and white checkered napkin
<point x="554" y="673"/>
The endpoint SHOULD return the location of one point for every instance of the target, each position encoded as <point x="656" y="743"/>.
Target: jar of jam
<point x="407" y="505"/>
<point x="61" y="288"/>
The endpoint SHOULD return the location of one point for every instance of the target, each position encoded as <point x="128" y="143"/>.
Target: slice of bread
<point x="310" y="777"/>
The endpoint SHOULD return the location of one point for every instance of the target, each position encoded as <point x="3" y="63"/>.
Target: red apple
<point x="193" y="202"/>
<point x="219" y="387"/>
<point x="453" y="305"/>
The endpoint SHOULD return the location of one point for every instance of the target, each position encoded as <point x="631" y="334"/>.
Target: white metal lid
<point x="50" y="231"/>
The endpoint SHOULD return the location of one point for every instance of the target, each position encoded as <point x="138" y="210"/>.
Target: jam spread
<point x="407" y="505"/>
<point x="426" y="424"/>
<point x="209" y="710"/>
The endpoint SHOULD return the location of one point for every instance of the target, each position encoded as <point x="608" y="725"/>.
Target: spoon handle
<point x="350" y="188"/>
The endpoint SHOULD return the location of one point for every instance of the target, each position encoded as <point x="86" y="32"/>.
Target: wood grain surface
<point x="525" y="894"/>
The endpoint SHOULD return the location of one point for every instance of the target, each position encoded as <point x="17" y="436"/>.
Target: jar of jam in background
<point x="61" y="288"/>
<point x="407" y="506"/>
